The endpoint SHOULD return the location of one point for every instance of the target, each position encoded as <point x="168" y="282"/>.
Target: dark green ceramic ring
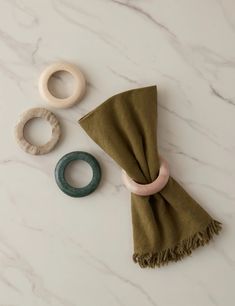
<point x="60" y="174"/>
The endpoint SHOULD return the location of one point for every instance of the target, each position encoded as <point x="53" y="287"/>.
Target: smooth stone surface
<point x="62" y="251"/>
<point x="79" y="85"/>
<point x="42" y="113"/>
<point x="61" y="166"/>
<point x="152" y="188"/>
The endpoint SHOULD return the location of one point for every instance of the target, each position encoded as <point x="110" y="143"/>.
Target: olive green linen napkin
<point x="168" y="225"/>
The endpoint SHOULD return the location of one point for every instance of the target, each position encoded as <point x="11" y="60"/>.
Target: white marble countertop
<point x="60" y="251"/>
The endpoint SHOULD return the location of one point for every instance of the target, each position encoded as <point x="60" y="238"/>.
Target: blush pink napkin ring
<point x="152" y="188"/>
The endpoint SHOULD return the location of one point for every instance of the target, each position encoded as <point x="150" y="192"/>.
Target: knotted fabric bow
<point x="168" y="225"/>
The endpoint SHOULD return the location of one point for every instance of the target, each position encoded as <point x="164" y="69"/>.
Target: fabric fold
<point x="170" y="224"/>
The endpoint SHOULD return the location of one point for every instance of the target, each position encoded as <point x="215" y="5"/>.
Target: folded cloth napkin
<point x="168" y="225"/>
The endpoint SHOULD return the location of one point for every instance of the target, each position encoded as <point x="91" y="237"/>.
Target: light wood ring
<point x="152" y="188"/>
<point x="79" y="90"/>
<point x="37" y="113"/>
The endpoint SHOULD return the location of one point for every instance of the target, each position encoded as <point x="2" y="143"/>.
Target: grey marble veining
<point x="55" y="250"/>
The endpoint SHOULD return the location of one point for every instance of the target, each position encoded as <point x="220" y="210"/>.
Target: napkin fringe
<point x="182" y="249"/>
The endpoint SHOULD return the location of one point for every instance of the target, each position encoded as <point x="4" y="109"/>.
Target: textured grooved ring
<point x="79" y="90"/>
<point x="152" y="188"/>
<point x="60" y="174"/>
<point x="37" y="113"/>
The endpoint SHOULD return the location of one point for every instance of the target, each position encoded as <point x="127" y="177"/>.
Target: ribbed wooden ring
<point x="152" y="188"/>
<point x="37" y="113"/>
<point x="79" y="90"/>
